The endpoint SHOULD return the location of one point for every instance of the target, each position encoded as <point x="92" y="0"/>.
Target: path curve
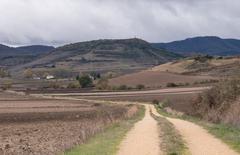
<point x="198" y="140"/>
<point x="143" y="139"/>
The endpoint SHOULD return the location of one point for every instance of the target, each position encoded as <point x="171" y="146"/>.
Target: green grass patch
<point x="107" y="142"/>
<point x="171" y="140"/>
<point x="228" y="134"/>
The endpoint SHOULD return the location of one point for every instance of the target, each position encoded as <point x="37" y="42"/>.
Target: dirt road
<point x="198" y="140"/>
<point x="157" y="91"/>
<point x="143" y="139"/>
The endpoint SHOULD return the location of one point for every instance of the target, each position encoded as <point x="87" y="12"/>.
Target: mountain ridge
<point x="103" y="55"/>
<point x="11" y="56"/>
<point x="211" y="45"/>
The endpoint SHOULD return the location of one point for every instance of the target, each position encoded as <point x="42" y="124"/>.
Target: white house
<point x="49" y="77"/>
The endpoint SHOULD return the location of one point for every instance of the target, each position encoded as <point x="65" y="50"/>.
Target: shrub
<point x="130" y="88"/>
<point x="73" y="85"/>
<point x="7" y="85"/>
<point x="54" y="85"/>
<point x="164" y="104"/>
<point x="140" y="86"/>
<point x="171" y="84"/>
<point x="102" y="84"/>
<point x="203" y="58"/>
<point x="213" y="104"/>
<point x="123" y="87"/>
<point x="95" y="75"/>
<point x="4" y="73"/>
<point x="155" y="102"/>
<point x="28" y="73"/>
<point x="85" y="81"/>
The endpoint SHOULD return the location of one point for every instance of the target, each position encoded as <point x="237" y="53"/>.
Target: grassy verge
<point x="107" y="142"/>
<point x="228" y="134"/>
<point x="171" y="141"/>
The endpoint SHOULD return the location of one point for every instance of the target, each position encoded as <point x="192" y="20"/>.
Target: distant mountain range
<point x="111" y="54"/>
<point x="103" y="55"/>
<point x="10" y="56"/>
<point x="203" y="45"/>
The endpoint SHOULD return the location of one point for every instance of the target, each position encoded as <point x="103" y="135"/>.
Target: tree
<point x="85" y="81"/>
<point x="102" y="84"/>
<point x="77" y="77"/>
<point x="4" y="73"/>
<point x="28" y="73"/>
<point x="7" y="85"/>
<point x="140" y="86"/>
<point x="95" y="75"/>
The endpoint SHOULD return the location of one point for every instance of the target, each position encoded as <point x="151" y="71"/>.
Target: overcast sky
<point x="56" y="22"/>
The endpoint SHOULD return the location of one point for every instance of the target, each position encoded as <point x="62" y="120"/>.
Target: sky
<point x="58" y="22"/>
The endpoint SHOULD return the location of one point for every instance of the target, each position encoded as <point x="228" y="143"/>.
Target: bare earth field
<point x="43" y="126"/>
<point x="179" y="99"/>
<point x="155" y="79"/>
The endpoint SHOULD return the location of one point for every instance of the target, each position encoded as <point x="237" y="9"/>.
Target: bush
<point x="170" y="84"/>
<point x="7" y="85"/>
<point x="4" y="73"/>
<point x="85" y="81"/>
<point x="54" y="85"/>
<point x="213" y="104"/>
<point x="123" y="87"/>
<point x="73" y="85"/>
<point x="155" y="102"/>
<point x="164" y="104"/>
<point x="102" y="84"/>
<point x="28" y="73"/>
<point x="95" y="75"/>
<point x="140" y="87"/>
<point x="203" y="58"/>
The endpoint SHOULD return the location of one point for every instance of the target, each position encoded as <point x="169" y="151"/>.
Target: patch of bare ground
<point x="155" y="79"/>
<point x="203" y="65"/>
<point x="180" y="101"/>
<point x="36" y="127"/>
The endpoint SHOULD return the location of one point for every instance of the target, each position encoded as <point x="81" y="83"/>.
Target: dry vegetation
<point x="40" y="126"/>
<point x="172" y="142"/>
<point x="203" y="65"/>
<point x="221" y="103"/>
<point x="156" y="79"/>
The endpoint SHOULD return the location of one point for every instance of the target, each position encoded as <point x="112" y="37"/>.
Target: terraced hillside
<point x="103" y="55"/>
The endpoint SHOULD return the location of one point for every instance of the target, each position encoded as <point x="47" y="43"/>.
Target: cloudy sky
<point x="56" y="22"/>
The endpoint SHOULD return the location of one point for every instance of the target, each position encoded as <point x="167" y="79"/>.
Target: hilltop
<point x="120" y="55"/>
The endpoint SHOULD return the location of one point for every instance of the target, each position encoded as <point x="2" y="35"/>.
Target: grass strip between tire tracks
<point x="171" y="140"/>
<point x="228" y="134"/>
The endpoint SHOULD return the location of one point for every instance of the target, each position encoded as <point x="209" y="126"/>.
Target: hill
<point x="203" y="45"/>
<point x="10" y="56"/>
<point x="103" y="55"/>
<point x="191" y="70"/>
<point x="203" y="65"/>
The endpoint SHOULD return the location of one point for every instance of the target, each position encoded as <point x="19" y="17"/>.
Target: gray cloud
<point x="62" y="21"/>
